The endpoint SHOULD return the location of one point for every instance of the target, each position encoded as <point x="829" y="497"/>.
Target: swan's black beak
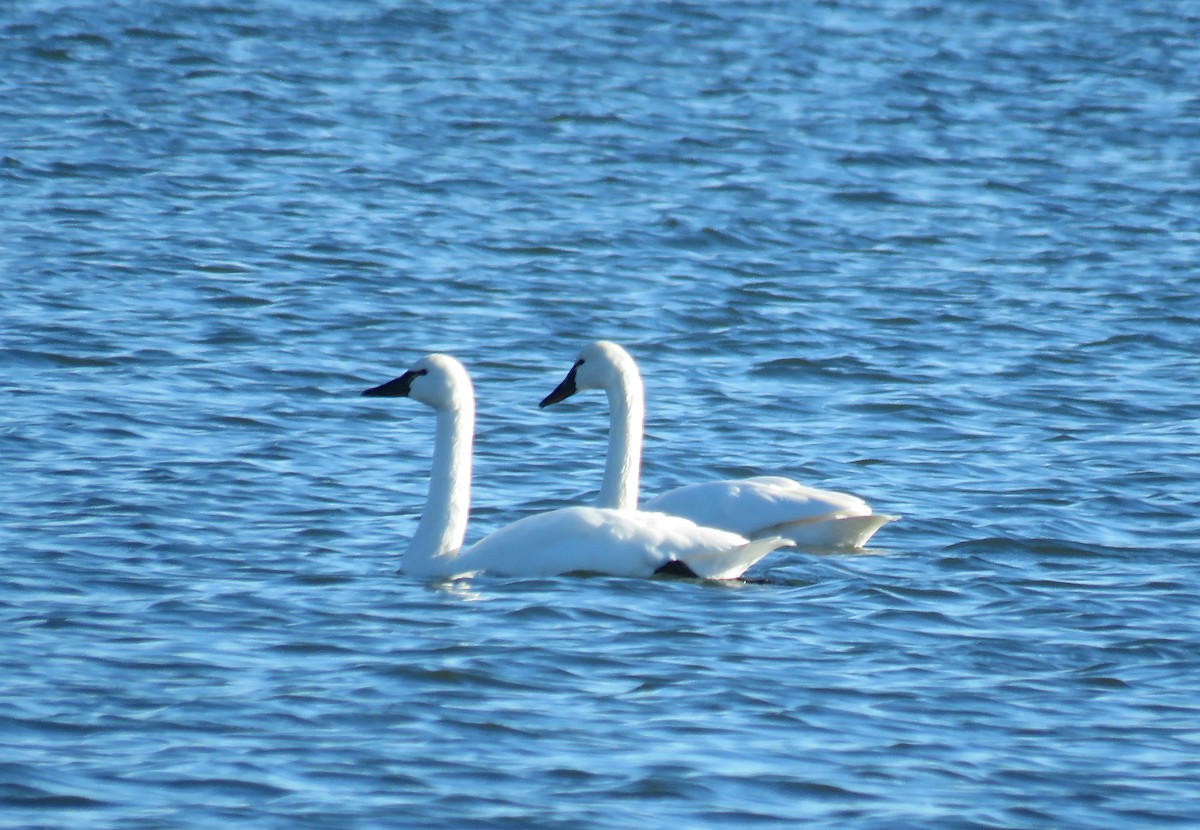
<point x="397" y="388"/>
<point x="563" y="391"/>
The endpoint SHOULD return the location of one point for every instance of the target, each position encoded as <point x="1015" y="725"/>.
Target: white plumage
<point x="623" y="542"/>
<point x="753" y="507"/>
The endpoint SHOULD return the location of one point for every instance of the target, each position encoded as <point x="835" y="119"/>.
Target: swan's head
<point x="436" y="380"/>
<point x="601" y="365"/>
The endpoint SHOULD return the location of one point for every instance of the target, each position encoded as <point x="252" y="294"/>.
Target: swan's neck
<point x="622" y="466"/>
<point x="443" y="525"/>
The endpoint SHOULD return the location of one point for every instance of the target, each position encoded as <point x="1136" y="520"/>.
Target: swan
<point x="752" y="507"/>
<point x="623" y="542"/>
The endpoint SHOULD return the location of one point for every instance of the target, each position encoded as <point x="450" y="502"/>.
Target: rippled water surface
<point x="943" y="256"/>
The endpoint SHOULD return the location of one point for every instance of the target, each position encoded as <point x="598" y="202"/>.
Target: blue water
<point x="942" y="256"/>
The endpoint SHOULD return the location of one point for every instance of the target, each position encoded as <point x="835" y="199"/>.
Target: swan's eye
<point x="578" y="363"/>
<point x="420" y="372"/>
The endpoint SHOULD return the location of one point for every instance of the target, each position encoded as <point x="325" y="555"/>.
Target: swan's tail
<point x="731" y="563"/>
<point x="848" y="532"/>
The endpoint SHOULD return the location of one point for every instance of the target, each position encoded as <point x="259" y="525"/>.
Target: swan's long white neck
<point x="626" y="414"/>
<point x="443" y="525"/>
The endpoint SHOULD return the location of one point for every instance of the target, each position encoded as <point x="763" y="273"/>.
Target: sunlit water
<point x="942" y="256"/>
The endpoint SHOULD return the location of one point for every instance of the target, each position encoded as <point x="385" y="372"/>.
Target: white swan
<point x="753" y="507"/>
<point x="621" y="542"/>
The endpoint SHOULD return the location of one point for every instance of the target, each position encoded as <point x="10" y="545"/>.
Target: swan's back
<point x="751" y="505"/>
<point x="619" y="542"/>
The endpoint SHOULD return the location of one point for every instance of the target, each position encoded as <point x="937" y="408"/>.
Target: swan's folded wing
<point x="710" y="553"/>
<point x="753" y="506"/>
<point x="620" y="542"/>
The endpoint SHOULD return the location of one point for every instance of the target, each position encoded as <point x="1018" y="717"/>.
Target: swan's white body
<point x="753" y="507"/>
<point x="621" y="542"/>
<point x="602" y="540"/>
<point x="777" y="506"/>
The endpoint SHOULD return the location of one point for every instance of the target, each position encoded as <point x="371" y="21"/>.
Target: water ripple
<point x="938" y="256"/>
